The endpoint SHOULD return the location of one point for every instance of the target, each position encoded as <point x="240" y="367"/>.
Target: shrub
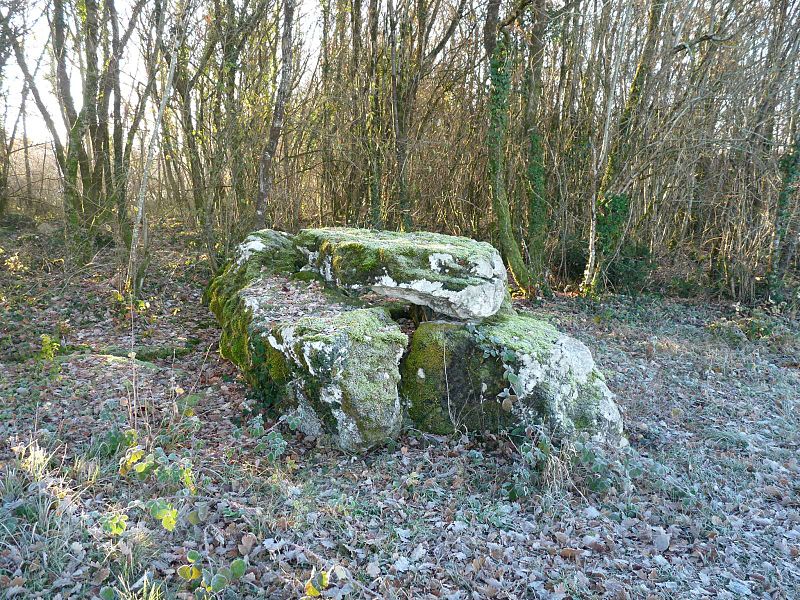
<point x="575" y="255"/>
<point x="630" y="270"/>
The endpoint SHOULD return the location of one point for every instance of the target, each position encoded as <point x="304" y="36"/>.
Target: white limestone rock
<point x="506" y="373"/>
<point x="455" y="276"/>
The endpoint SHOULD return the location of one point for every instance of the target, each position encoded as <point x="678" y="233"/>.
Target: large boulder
<point x="305" y="349"/>
<point x="506" y="373"/>
<point x="454" y="276"/>
<point x="308" y="344"/>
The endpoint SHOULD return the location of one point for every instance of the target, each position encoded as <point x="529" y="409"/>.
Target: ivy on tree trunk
<point x="496" y="142"/>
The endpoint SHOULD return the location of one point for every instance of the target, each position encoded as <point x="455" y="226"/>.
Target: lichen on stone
<point x="306" y="348"/>
<point x="346" y="371"/>
<point x="458" y="277"/>
<point x="507" y="373"/>
<point x="298" y="317"/>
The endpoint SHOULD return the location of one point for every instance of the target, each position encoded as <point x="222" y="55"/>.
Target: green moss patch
<point x="448" y="381"/>
<point x="507" y="373"/>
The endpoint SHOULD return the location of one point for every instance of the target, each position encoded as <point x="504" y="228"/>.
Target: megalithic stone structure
<point x="311" y="322"/>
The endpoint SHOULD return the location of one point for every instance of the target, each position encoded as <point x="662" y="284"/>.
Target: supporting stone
<point x="304" y="348"/>
<point x="506" y="373"/>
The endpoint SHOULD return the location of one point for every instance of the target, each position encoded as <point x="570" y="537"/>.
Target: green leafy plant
<point x="198" y="514"/>
<point x="166" y="468"/>
<point x="107" y="593"/>
<point x="612" y="215"/>
<point x="115" y="524"/>
<point x="121" y="305"/>
<point x="164" y="512"/>
<point x="208" y="582"/>
<point x="271" y="440"/>
<point x="113" y="441"/>
<point x="535" y="455"/>
<point x="597" y="472"/>
<point x="50" y="347"/>
<point x="630" y="270"/>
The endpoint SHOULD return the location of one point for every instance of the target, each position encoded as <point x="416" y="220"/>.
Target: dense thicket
<point x="589" y="140"/>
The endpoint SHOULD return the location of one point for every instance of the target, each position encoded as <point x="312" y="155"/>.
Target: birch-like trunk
<point x="266" y="175"/>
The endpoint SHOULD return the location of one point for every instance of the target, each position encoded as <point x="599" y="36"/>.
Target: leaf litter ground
<point x="704" y="504"/>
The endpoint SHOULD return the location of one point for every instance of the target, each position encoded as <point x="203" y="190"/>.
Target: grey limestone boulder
<point x="506" y="373"/>
<point x="296" y="319"/>
<point x="458" y="277"/>
<point x="307" y="350"/>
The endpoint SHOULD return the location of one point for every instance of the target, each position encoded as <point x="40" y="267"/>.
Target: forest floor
<point x="703" y="504"/>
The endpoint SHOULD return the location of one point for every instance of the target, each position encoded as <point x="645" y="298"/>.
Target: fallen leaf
<point x="247" y="543"/>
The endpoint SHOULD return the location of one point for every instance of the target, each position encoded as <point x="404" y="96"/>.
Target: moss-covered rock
<point x="454" y="276"/>
<point x="305" y="348"/>
<point x="335" y="359"/>
<point x="342" y="372"/>
<point x="449" y="382"/>
<point x="509" y="372"/>
<point x="264" y="252"/>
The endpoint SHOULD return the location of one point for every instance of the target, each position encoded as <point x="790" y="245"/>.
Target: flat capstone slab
<point x="457" y="277"/>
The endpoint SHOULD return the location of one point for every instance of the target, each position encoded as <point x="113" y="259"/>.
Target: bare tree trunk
<point x="135" y="272"/>
<point x="534" y="151"/>
<point x="266" y="176"/>
<point x="781" y="254"/>
<point x="374" y="129"/>
<point x="610" y="212"/>
<point x="496" y="42"/>
<point x="26" y="154"/>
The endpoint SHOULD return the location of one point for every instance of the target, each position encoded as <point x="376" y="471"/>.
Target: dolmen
<point x="320" y="324"/>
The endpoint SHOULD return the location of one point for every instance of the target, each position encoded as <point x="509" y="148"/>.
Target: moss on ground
<point x="152" y="352"/>
<point x="305" y="276"/>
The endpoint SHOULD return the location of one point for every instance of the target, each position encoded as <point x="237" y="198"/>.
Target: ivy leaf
<point x="238" y="568"/>
<point x="188" y="572"/>
<point x="107" y="593"/>
<point x="512" y="377"/>
<point x="218" y="583"/>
